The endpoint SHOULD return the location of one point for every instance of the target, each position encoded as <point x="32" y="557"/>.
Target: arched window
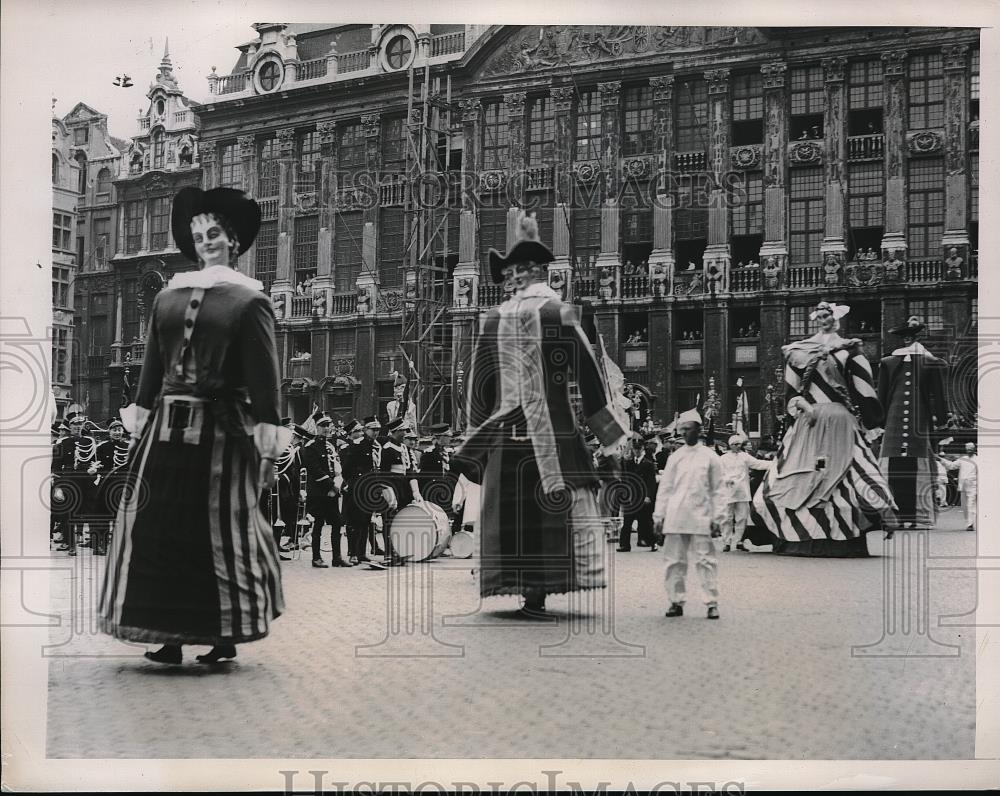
<point x="55" y="169"/>
<point x="104" y="185"/>
<point x="159" y="148"/>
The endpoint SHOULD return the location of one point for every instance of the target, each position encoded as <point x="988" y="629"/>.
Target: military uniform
<point x="113" y="456"/>
<point x="74" y="456"/>
<point x="287" y="469"/>
<point x="360" y="461"/>
<point x="324" y="474"/>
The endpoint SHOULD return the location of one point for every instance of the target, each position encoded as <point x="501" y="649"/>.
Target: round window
<point x="269" y="76"/>
<point x="160" y="107"/>
<point x="398" y="52"/>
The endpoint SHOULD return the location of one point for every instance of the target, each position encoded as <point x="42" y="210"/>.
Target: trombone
<point x="302" y="521"/>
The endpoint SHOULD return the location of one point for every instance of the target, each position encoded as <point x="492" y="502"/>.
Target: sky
<point x="92" y="42"/>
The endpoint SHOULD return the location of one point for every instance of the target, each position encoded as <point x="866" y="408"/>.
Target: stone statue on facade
<point x="364" y="301"/>
<point x="953" y="264"/>
<point x="606" y="282"/>
<point x="462" y="290"/>
<point x="771" y="273"/>
<point x="319" y="304"/>
<point x="892" y="266"/>
<point x="278" y="304"/>
<point x="831" y="269"/>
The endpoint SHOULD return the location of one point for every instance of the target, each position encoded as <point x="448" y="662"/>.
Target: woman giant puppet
<point x="542" y="532"/>
<point x="826" y="490"/>
<point x="193" y="560"/>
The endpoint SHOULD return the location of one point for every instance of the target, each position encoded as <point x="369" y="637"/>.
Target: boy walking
<point x="688" y="515"/>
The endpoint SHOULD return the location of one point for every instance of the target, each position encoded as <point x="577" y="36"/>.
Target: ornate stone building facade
<point x="131" y="251"/>
<point x="65" y="199"/>
<point x="701" y="189"/>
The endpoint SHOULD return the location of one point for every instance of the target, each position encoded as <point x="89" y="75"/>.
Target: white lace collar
<point x="212" y="276"/>
<point x="914" y="348"/>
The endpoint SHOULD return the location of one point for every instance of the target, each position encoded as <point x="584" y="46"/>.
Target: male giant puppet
<point x="541" y="528"/>
<point x="911" y="388"/>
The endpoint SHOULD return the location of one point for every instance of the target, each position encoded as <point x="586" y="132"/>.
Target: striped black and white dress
<point x="192" y="559"/>
<point x="826" y="490"/>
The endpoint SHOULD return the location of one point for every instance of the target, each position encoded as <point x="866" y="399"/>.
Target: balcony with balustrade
<point x="302" y="307"/>
<point x="268" y="209"/>
<point x="232" y="84"/>
<point x="447" y="44"/>
<point x="865" y="147"/>
<point x="311" y="70"/>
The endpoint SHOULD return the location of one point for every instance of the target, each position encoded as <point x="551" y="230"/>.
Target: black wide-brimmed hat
<point x="528" y="249"/>
<point x="911" y="328"/>
<point x="241" y="213"/>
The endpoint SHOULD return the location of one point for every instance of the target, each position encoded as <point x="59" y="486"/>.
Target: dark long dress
<point x="193" y="560"/>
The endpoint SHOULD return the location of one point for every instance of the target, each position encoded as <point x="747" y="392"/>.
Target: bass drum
<point x="462" y="544"/>
<point x="420" y="531"/>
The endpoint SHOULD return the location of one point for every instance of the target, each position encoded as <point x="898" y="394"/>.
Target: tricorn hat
<point x="911" y="328"/>
<point x="325" y="420"/>
<point x="528" y="249"/>
<point x="240" y="212"/>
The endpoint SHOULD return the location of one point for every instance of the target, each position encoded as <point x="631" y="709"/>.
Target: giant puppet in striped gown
<point x="827" y="490"/>
<point x="192" y="560"/>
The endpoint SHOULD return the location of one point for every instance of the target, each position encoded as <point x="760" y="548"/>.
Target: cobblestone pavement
<point x="774" y="679"/>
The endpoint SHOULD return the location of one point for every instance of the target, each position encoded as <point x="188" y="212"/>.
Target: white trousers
<point x="677" y="548"/>
<point x="970" y="502"/>
<point x="734" y="523"/>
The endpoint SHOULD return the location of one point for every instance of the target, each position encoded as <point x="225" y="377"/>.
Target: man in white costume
<point x="736" y="466"/>
<point x="688" y="514"/>
<point x="968" y="482"/>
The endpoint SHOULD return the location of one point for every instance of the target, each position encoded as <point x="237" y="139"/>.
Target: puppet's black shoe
<point x="168" y="653"/>
<point x="219" y="654"/>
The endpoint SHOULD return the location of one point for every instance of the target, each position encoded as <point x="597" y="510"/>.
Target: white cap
<point x="690" y="416"/>
<point x="737" y="438"/>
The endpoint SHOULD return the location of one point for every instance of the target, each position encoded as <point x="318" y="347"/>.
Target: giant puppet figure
<point x="826" y="491"/>
<point x="541" y="528"/>
<point x="911" y="388"/>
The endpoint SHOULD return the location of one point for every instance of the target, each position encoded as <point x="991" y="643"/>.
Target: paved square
<point x="775" y="678"/>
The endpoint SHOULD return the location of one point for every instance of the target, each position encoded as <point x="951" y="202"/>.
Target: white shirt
<point x="690" y="493"/>
<point x="968" y="472"/>
<point x="736" y="474"/>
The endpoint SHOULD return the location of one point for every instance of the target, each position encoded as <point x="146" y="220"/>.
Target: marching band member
<point x="56" y="524"/>
<point x="323" y="468"/>
<point x="76" y="465"/>
<point x="398" y="478"/>
<point x="361" y="458"/>
<point x="437" y="483"/>
<point x="286" y="468"/>
<point x="113" y="455"/>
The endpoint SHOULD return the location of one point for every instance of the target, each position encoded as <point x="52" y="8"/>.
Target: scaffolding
<point x="429" y="256"/>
